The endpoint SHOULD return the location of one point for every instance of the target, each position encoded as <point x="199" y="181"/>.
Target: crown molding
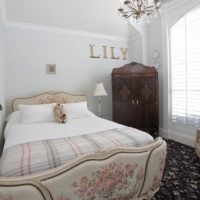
<point x="49" y="29"/>
<point x="177" y="5"/>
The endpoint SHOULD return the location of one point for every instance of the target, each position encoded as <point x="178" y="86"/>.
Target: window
<point x="185" y="70"/>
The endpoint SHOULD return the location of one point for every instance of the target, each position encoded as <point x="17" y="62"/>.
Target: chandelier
<point x="139" y="10"/>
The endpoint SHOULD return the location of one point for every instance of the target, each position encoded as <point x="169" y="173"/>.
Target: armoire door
<point x="146" y="103"/>
<point x="122" y="100"/>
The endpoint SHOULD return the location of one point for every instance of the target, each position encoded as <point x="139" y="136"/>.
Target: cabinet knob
<point x="137" y="102"/>
<point x="133" y="102"/>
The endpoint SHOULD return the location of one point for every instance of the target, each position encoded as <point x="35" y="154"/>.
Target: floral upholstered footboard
<point x="118" y="174"/>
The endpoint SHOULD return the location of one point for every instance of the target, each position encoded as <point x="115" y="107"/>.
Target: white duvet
<point x="17" y="133"/>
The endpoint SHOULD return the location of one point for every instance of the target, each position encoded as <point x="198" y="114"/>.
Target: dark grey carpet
<point x="181" y="180"/>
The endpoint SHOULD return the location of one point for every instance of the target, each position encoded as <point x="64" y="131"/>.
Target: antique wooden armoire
<point x="135" y="97"/>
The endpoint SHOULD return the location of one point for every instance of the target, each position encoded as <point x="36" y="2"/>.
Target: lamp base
<point x="99" y="106"/>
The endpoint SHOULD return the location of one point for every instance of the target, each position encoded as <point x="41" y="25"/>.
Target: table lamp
<point x="99" y="91"/>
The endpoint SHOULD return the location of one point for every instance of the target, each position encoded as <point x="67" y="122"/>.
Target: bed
<point x="86" y="158"/>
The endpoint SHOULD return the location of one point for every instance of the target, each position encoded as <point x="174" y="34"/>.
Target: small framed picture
<point x="51" y="69"/>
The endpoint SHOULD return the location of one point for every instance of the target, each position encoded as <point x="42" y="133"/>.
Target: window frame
<point x="185" y="127"/>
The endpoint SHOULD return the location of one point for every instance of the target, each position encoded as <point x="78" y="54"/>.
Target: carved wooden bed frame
<point x="120" y="173"/>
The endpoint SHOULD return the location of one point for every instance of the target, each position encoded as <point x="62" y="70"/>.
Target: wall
<point x="136" y="50"/>
<point x="28" y="51"/>
<point x="2" y="74"/>
<point x="154" y="43"/>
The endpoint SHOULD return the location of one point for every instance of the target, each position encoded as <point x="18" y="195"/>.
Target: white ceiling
<point x="98" y="16"/>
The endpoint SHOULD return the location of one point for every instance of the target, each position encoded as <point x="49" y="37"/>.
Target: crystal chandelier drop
<point x="139" y="10"/>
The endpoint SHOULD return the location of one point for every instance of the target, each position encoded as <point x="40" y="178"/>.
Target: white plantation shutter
<point x="185" y="70"/>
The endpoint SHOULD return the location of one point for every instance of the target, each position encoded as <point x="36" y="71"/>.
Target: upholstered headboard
<point x="48" y="97"/>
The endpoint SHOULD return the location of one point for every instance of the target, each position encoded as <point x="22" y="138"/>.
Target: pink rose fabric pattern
<point x="110" y="182"/>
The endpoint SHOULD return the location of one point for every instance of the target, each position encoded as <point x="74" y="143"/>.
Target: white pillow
<point x="77" y="110"/>
<point x="37" y="113"/>
<point x="14" y="117"/>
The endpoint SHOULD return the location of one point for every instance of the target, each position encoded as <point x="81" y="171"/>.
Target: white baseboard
<point x="163" y="133"/>
<point x="181" y="137"/>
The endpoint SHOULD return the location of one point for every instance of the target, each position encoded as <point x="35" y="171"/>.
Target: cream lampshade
<point x="99" y="91"/>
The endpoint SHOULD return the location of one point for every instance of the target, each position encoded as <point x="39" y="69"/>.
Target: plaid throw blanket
<point x="34" y="157"/>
